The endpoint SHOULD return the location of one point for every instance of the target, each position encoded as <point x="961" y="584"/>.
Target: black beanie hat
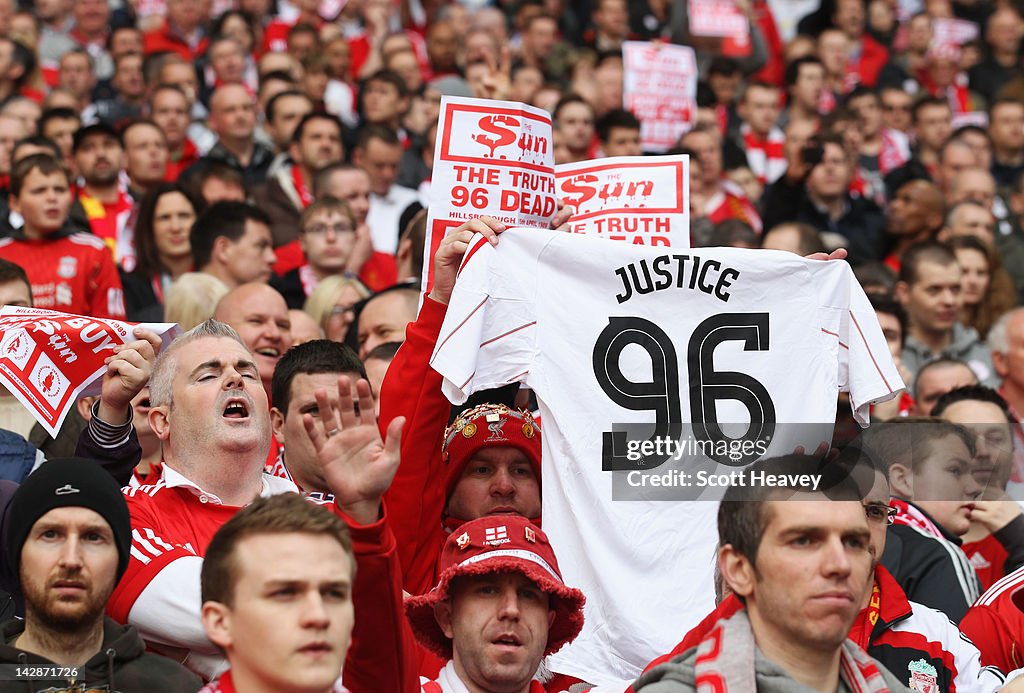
<point x="65" y="483"/>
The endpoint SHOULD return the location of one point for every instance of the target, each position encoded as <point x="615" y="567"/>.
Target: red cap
<point x="488" y="425"/>
<point x="498" y="544"/>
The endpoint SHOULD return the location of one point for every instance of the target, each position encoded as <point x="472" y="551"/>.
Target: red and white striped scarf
<point x="725" y="661"/>
<point x="911" y="516"/>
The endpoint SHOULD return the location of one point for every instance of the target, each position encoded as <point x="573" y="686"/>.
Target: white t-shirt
<point x="552" y="310"/>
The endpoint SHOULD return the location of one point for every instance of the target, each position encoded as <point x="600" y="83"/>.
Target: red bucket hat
<point x="488" y="425"/>
<point x="498" y="544"/>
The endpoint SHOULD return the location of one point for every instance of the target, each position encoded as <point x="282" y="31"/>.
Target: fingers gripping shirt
<point x="609" y="333"/>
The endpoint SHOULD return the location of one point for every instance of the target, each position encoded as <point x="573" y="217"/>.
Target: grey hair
<point x="161" y="382"/>
<point x="998" y="335"/>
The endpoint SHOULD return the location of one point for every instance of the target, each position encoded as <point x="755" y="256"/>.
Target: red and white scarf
<point x="725" y="661"/>
<point x="911" y="516"/>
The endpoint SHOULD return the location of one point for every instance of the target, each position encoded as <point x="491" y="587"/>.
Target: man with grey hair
<point x="1006" y="341"/>
<point x="969" y="218"/>
<point x="210" y="412"/>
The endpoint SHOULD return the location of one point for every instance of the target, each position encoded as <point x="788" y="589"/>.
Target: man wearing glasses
<point x="327" y="235"/>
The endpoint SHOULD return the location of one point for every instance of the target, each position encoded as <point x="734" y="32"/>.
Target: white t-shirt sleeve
<point x="870" y="372"/>
<point x="489" y="334"/>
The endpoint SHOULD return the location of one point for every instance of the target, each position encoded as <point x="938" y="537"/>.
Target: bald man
<point x="259" y="314"/>
<point x="384" y="318"/>
<point x="233" y="119"/>
<point x="915" y="214"/>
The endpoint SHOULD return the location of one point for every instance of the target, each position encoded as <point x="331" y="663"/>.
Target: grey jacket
<point x="966" y="346"/>
<point x="677" y="676"/>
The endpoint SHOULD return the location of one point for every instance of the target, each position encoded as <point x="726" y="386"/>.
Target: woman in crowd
<point x="986" y="288"/>
<point x="331" y="304"/>
<point x="162" y="248"/>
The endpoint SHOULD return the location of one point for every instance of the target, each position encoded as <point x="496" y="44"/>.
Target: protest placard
<point x="492" y="158"/>
<point x="660" y="88"/>
<point x="642" y="200"/>
<point x="49" y="359"/>
<point x="716" y="18"/>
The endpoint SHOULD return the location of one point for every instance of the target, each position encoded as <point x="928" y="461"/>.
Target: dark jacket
<point x="122" y="664"/>
<point x="862" y="223"/>
<point x="931" y="571"/>
<point x="281" y="202"/>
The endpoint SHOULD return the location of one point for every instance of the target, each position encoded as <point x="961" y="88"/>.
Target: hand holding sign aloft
<point x="128" y="371"/>
<point x="449" y="254"/>
<point x="357" y="464"/>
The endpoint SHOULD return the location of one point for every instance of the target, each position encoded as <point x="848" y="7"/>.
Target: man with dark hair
<point x="301" y="373"/>
<point x="779" y="558"/>
<point x="169" y="109"/>
<point x="929" y="289"/>
<point x="385" y="99"/>
<point x="231" y="241"/>
<point x="68" y="539"/>
<point x="214" y="181"/>
<point x="315" y="143"/>
<point x="618" y="131"/>
<point x="994" y="545"/>
<point x="378" y="151"/>
<point x="59" y="125"/>
<point x="932" y="120"/>
<point x="573" y="119"/>
<point x="935" y="379"/>
<point x="1006" y="127"/>
<point x="327" y="238"/>
<point x="283" y="113"/>
<point x="99" y="158"/>
<point x="805" y="83"/>
<point x="759" y="136"/>
<point x="15" y="289"/>
<point x="817" y="193"/>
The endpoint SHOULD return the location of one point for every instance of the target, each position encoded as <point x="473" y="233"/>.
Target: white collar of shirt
<point x="271" y="486"/>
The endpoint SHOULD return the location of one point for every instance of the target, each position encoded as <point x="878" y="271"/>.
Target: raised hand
<point x="357" y="465"/>
<point x="128" y="371"/>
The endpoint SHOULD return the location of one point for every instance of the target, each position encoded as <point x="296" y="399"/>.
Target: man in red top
<point x="210" y="412"/>
<point x="722" y="200"/>
<point x="182" y="32"/>
<point x="71" y="272"/>
<point x="499" y="607"/>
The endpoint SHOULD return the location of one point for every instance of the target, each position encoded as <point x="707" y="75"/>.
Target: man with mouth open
<point x="499" y="607"/>
<point x="210" y="412"/>
<point x="260" y="316"/>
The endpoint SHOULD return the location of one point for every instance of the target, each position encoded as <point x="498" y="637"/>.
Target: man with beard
<point x="99" y="158"/>
<point x="69" y="537"/>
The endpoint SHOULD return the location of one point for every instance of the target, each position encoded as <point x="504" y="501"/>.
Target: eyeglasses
<point x="880" y="512"/>
<point x="321" y="229"/>
<point x="340" y="311"/>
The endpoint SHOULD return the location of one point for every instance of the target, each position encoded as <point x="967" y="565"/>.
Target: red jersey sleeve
<point x="383" y="655"/>
<point x="106" y="295"/>
<point x="412" y="389"/>
<point x="998" y="641"/>
<point x="150" y="553"/>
